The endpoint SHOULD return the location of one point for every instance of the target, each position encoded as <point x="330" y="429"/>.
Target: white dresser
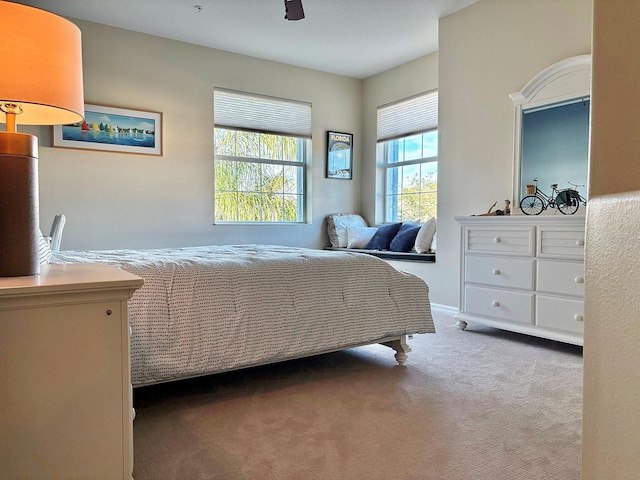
<point x="65" y="388"/>
<point x="524" y="274"/>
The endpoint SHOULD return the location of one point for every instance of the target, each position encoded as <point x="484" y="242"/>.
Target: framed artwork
<point x="339" y="155"/>
<point x="113" y="129"/>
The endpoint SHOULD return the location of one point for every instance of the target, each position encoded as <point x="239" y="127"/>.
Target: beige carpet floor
<point x="473" y="405"/>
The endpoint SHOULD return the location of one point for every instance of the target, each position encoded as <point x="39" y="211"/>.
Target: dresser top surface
<point x="521" y="220"/>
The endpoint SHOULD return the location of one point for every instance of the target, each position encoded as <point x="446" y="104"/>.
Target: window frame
<point x="303" y="144"/>
<point x="387" y="166"/>
<point x="401" y="120"/>
<point x="265" y="115"/>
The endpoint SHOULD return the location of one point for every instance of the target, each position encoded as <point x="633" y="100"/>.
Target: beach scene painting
<point x="113" y="129"/>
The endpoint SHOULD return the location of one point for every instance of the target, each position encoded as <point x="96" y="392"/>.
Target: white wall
<point x="415" y="77"/>
<point x="115" y="200"/>
<point x="412" y="78"/>
<point x="487" y="51"/>
<point x="611" y="416"/>
<point x="611" y="425"/>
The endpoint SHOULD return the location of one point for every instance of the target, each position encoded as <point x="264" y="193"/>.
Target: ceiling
<point x="356" y="38"/>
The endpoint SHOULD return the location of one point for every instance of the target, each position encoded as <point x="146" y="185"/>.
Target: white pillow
<point x="358" y="237"/>
<point x="337" y="227"/>
<point x="425" y="236"/>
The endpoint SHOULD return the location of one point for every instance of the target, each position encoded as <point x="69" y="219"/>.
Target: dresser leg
<point x="461" y="324"/>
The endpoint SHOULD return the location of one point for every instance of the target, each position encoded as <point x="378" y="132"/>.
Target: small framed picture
<point x="340" y="155"/>
<point x="113" y="130"/>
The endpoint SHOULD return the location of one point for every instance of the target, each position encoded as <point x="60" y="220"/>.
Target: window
<point x="261" y="149"/>
<point x="408" y="144"/>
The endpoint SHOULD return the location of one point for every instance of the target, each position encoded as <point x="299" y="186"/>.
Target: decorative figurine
<point x="490" y="212"/>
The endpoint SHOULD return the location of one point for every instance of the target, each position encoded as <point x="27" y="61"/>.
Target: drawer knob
<point x="578" y="318"/>
<point x="497" y="240"/>
<point x="495" y="271"/>
<point x="580" y="243"/>
<point x="579" y="280"/>
<point x="495" y="303"/>
<point x="109" y="312"/>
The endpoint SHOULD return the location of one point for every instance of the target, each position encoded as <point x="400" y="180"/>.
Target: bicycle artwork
<point x="567" y="200"/>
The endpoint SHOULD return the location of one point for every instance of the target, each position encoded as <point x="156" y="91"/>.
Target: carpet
<point x="473" y="405"/>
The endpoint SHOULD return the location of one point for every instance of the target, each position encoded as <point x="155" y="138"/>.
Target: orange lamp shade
<point x="40" y="66"/>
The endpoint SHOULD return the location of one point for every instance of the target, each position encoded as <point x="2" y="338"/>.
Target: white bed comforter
<point x="212" y="309"/>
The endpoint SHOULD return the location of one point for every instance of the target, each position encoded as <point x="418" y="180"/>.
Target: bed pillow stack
<point x="404" y="237"/>
<point x="348" y="230"/>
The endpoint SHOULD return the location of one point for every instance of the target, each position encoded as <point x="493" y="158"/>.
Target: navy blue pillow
<point x="382" y="238"/>
<point x="405" y="239"/>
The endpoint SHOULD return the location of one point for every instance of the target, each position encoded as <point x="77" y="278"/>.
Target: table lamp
<point x="40" y="84"/>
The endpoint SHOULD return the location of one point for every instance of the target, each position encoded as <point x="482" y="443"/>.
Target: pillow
<point x="405" y="239"/>
<point x="337" y="224"/>
<point x="382" y="238"/>
<point x="358" y="237"/>
<point x="425" y="236"/>
<point x="44" y="250"/>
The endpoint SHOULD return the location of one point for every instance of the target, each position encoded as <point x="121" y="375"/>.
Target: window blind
<point x="246" y="111"/>
<point x="412" y="115"/>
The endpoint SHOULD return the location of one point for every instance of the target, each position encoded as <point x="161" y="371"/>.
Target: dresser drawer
<point x="561" y="278"/>
<point x="560" y="314"/>
<point x="559" y="242"/>
<point x="508" y="240"/>
<point x="502" y="304"/>
<point x="510" y="272"/>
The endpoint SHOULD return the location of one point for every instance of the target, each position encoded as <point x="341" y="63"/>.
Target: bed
<point x="205" y="310"/>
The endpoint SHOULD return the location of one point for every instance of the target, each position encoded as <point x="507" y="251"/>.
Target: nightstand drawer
<point x="502" y="304"/>
<point x="567" y="242"/>
<point x="561" y="278"/>
<point x="506" y="272"/>
<point x="560" y="314"/>
<point x="508" y="240"/>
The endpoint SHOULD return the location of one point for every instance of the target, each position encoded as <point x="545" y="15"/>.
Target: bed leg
<point x="401" y="348"/>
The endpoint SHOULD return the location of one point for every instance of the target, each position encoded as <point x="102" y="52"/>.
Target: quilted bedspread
<point x="211" y="309"/>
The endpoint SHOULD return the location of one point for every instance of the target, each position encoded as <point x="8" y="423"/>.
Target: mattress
<point x="211" y="309"/>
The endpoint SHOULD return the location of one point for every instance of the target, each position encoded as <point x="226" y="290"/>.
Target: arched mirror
<point x="552" y="128"/>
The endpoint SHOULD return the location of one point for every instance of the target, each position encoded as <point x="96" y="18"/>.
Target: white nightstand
<point x="65" y="396"/>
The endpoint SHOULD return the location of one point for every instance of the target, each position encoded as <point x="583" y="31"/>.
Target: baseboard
<point x="445" y="308"/>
